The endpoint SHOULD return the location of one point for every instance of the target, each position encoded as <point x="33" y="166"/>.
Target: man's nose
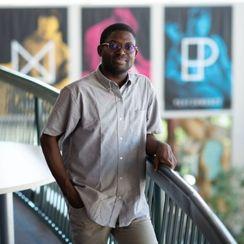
<point x="121" y="50"/>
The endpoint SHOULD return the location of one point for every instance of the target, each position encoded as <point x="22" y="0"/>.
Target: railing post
<point x="158" y="210"/>
<point x="38" y="114"/>
<point x="7" y="219"/>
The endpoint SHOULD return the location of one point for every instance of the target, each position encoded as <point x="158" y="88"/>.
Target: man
<point x="105" y="124"/>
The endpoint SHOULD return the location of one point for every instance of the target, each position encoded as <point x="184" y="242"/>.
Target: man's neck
<point x="119" y="79"/>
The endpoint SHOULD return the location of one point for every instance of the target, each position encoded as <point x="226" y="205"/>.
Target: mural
<point x="94" y="20"/>
<point x="197" y="58"/>
<point x="34" y="42"/>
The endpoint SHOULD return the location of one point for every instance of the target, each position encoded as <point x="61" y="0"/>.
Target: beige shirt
<point x="103" y="145"/>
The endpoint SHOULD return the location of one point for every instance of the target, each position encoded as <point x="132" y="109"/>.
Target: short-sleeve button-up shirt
<point x="103" y="143"/>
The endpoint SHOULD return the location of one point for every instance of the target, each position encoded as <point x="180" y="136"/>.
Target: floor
<point x="29" y="229"/>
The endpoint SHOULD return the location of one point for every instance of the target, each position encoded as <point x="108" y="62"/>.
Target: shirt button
<point x="120" y="118"/>
<point x="120" y="178"/>
<point x="119" y="197"/>
<point x="121" y="138"/>
<point x="120" y="158"/>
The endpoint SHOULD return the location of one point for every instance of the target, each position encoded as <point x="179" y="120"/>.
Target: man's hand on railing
<point x="164" y="155"/>
<point x="161" y="152"/>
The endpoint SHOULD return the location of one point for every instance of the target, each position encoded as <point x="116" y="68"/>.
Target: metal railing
<point x="178" y="213"/>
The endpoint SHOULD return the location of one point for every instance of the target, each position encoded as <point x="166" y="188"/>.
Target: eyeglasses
<point x="114" y="46"/>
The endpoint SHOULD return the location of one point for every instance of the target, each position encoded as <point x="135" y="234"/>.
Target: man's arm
<point x="56" y="165"/>
<point x="161" y="152"/>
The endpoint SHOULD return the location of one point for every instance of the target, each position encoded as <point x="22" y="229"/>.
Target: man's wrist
<point x="66" y="186"/>
<point x="158" y="144"/>
<point x="153" y="145"/>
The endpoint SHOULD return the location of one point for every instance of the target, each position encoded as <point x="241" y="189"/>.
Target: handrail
<point x="192" y="203"/>
<point x="183" y="195"/>
<point x="37" y="87"/>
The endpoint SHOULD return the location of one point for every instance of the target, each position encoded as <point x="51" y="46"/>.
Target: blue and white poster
<point x="198" y="58"/>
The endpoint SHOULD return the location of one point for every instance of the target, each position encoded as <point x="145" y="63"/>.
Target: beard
<point x="117" y="65"/>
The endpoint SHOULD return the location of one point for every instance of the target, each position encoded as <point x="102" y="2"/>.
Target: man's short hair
<point x="115" y="27"/>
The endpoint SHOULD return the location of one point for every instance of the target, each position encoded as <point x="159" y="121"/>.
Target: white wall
<point x="238" y="85"/>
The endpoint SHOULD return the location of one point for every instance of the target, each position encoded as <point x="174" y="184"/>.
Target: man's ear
<point x="99" y="50"/>
<point x="136" y="52"/>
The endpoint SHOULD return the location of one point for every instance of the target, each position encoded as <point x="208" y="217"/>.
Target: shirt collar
<point x="109" y="84"/>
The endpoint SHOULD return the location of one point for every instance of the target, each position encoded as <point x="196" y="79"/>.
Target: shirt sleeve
<point x="154" y="123"/>
<point x="65" y="115"/>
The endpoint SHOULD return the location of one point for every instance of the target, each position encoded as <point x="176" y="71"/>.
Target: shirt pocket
<point x="137" y="115"/>
<point x="137" y="120"/>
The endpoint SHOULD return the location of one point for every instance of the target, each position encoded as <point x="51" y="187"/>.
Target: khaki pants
<point x="85" y="231"/>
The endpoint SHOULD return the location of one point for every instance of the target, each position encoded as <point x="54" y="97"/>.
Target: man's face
<point x="119" y="61"/>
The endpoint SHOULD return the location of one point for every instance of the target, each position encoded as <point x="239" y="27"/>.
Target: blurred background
<point x="194" y="55"/>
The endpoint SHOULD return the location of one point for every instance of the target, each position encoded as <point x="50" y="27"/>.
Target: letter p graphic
<point x="193" y="69"/>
